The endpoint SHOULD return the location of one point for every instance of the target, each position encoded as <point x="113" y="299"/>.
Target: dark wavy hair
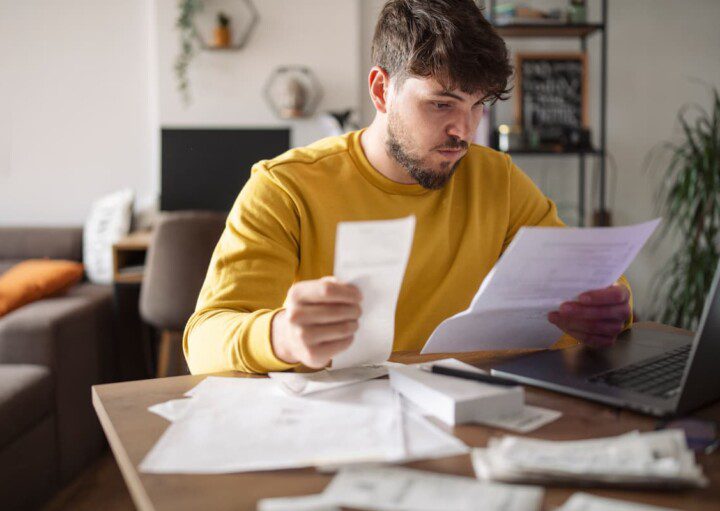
<point x="449" y="40"/>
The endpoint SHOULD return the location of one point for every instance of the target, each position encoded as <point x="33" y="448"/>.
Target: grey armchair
<point x="176" y="265"/>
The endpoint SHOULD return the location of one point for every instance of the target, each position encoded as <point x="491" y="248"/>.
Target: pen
<point x="469" y="375"/>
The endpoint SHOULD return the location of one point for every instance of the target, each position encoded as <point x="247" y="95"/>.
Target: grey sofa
<point x="51" y="352"/>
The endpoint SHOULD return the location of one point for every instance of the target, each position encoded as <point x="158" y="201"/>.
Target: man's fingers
<point x="613" y="295"/>
<point x="317" y="314"/>
<point x="312" y="335"/>
<point x="320" y="355"/>
<point x="590" y="327"/>
<point x="325" y="290"/>
<point x="598" y="312"/>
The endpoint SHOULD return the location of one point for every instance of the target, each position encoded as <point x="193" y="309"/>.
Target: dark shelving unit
<point x="581" y="31"/>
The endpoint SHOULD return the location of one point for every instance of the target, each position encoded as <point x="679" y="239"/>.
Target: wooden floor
<point x="100" y="486"/>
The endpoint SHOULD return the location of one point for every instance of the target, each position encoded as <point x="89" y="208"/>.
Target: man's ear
<point x="379" y="85"/>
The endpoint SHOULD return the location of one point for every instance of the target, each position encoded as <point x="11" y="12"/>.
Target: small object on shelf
<point x="221" y="33"/>
<point x="510" y="138"/>
<point x="510" y="13"/>
<point x="292" y="92"/>
<point x="577" y="12"/>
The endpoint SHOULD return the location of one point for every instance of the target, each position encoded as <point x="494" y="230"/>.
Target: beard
<point x="398" y="145"/>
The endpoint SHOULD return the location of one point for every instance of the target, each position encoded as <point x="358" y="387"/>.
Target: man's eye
<point x="442" y="106"/>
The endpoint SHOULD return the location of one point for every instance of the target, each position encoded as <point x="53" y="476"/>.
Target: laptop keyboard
<point x="658" y="376"/>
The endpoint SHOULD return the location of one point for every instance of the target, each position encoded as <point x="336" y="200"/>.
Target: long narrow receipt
<point x="373" y="256"/>
<point x="542" y="267"/>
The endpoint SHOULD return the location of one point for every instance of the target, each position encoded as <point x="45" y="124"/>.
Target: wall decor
<point x="195" y="32"/>
<point x="239" y="17"/>
<point x="292" y="92"/>
<point x="552" y="96"/>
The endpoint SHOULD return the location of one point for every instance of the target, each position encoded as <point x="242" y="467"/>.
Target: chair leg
<point x="164" y="353"/>
<point x="171" y="360"/>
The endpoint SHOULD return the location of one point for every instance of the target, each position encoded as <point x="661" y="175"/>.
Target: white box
<point x="455" y="400"/>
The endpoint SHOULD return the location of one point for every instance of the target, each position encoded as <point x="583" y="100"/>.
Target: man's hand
<point x="597" y="317"/>
<point x="319" y="321"/>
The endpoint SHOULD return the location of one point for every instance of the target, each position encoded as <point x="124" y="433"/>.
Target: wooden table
<point x="132" y="431"/>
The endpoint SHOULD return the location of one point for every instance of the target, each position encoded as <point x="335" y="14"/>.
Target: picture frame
<point x="551" y="93"/>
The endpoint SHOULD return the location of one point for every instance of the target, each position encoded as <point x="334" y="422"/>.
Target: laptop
<point x="654" y="372"/>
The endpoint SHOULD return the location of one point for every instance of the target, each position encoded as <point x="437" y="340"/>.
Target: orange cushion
<point x="35" y="279"/>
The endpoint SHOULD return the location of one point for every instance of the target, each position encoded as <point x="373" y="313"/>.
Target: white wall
<point x="227" y="86"/>
<point x="75" y="108"/>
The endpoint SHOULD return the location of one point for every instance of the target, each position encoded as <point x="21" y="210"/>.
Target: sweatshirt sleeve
<point x="530" y="207"/>
<point x="253" y="266"/>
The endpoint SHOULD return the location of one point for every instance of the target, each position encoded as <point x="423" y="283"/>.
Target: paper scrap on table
<point x="542" y="267"/>
<point x="529" y="419"/>
<point x="171" y="410"/>
<point x="586" y="502"/>
<point x="373" y="256"/>
<point x="653" y="459"/>
<point x="399" y="489"/>
<point x="309" y="383"/>
<point x="316" y="502"/>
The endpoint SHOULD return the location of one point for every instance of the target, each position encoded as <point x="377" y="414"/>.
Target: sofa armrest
<point x="71" y="335"/>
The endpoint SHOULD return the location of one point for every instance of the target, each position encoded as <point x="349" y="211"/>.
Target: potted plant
<point x="690" y="203"/>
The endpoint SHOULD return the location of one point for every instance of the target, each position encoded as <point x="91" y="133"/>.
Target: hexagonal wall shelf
<point x="243" y="16"/>
<point x="293" y="92"/>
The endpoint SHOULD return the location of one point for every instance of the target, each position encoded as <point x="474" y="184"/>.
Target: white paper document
<point x="586" y="502"/>
<point x="308" y="383"/>
<point x="243" y="424"/>
<point x="400" y="489"/>
<point x="373" y="256"/>
<point x="238" y="424"/>
<point x="542" y="267"/>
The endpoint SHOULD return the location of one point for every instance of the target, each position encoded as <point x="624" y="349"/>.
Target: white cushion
<point x="109" y="220"/>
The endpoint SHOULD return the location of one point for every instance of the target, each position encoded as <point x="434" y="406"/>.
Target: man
<point x="268" y="304"/>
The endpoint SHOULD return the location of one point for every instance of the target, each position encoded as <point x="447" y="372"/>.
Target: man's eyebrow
<point x="449" y="94"/>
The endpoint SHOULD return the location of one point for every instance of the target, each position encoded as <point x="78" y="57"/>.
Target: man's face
<point x="430" y="128"/>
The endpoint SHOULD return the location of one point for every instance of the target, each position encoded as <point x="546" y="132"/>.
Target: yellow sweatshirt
<point x="281" y="229"/>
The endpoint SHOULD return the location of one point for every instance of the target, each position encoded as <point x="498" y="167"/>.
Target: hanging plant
<point x="187" y="9"/>
<point x="690" y="202"/>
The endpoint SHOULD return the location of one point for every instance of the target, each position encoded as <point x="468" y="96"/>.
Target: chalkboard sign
<point x="552" y="94"/>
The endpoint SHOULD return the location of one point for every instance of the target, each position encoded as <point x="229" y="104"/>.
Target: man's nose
<point x="461" y="127"/>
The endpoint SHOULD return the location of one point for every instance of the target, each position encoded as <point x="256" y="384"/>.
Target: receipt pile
<point x="658" y="458"/>
<point x="403" y="489"/>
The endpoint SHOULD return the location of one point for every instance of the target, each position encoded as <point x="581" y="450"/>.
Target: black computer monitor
<point x="205" y="169"/>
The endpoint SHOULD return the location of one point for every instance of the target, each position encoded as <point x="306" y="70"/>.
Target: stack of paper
<point x="241" y="424"/>
<point x="398" y="489"/>
<point x="635" y="459"/>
